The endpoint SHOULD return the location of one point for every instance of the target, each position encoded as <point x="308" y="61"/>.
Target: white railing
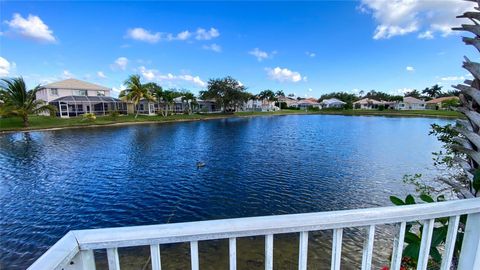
<point x="75" y="249"/>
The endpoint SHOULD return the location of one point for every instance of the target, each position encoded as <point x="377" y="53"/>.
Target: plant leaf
<point x="396" y="200"/>
<point x="409" y="199"/>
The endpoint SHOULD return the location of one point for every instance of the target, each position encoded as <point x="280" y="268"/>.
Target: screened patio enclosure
<point x="77" y="105"/>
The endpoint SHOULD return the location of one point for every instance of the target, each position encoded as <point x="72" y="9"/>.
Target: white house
<point x="75" y="97"/>
<point x="263" y="105"/>
<point x="410" y="103"/>
<point x="332" y="103"/>
<point x="367" y="104"/>
<point x="71" y="87"/>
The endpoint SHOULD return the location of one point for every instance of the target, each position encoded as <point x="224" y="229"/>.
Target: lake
<point x="55" y="181"/>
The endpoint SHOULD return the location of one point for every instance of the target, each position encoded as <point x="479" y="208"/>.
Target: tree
<point x="136" y="91"/>
<point x="18" y="101"/>
<point x="190" y="99"/>
<point x="433" y="92"/>
<point x="156" y="91"/>
<point x="467" y="140"/>
<point x="169" y="96"/>
<point x="378" y="95"/>
<point x="227" y="92"/>
<point x="279" y="93"/>
<point x="414" y="93"/>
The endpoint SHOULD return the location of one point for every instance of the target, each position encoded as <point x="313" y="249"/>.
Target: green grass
<point x="43" y="122"/>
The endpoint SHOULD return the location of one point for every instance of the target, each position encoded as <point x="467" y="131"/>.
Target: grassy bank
<point x="44" y="122"/>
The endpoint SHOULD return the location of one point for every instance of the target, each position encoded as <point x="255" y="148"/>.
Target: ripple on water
<point x="55" y="181"/>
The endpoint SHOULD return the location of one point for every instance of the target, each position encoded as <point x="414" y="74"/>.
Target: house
<point x="373" y="104"/>
<point x="410" y="103"/>
<point x="439" y="103"/>
<point x="305" y="104"/>
<point x="289" y="101"/>
<point x="332" y="103"/>
<point x="74" y="97"/>
<point x="262" y="105"/>
<point x="71" y="87"/>
<point x="367" y="104"/>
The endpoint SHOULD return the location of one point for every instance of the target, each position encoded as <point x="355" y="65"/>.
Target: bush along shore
<point x="45" y="122"/>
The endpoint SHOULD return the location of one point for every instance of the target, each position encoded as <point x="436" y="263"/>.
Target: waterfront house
<point x="439" y="103"/>
<point x="367" y="104"/>
<point x="305" y="104"/>
<point x="74" y="97"/>
<point x="332" y="103"/>
<point x="261" y="105"/>
<point x="410" y="103"/>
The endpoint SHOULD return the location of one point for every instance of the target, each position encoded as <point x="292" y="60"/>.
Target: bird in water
<point x="200" y="164"/>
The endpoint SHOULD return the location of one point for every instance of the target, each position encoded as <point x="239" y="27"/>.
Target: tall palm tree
<point x="136" y="91"/>
<point x="16" y="100"/>
<point x="190" y="99"/>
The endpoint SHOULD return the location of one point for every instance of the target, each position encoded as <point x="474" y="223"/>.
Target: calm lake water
<point x="55" y="181"/>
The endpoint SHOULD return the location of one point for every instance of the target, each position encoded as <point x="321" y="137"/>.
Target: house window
<point x="82" y="92"/>
<point x="101" y="93"/>
<point x="54" y="92"/>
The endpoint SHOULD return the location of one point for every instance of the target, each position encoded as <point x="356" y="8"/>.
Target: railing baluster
<point x="269" y="252"/>
<point x="155" y="255"/>
<point x="450" y="242"/>
<point x="113" y="260"/>
<point x="425" y="244"/>
<point x="398" y="247"/>
<point x="337" y="249"/>
<point x="232" y="244"/>
<point x="194" y="255"/>
<point x="88" y="259"/>
<point x="303" y="251"/>
<point x="368" y="248"/>
<point x="470" y="255"/>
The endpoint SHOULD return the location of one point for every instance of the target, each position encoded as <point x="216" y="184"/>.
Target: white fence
<point x="75" y="250"/>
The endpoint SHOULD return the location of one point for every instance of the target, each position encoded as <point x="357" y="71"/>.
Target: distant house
<point x="305" y="104"/>
<point x="332" y="103"/>
<point x="74" y="97"/>
<point x="262" y="105"/>
<point x="438" y="103"/>
<point x="373" y="104"/>
<point x="410" y="103"/>
<point x="290" y="101"/>
<point x="367" y="104"/>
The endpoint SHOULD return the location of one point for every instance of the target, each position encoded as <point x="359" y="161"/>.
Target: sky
<point x="304" y="48"/>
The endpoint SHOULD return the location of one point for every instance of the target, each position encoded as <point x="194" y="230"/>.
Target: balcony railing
<point x="75" y="250"/>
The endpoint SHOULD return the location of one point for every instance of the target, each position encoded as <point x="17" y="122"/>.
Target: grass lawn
<point x="43" y="122"/>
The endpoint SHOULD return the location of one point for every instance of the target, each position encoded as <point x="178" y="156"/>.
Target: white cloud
<point x="426" y="35"/>
<point x="453" y="78"/>
<point x="310" y="89"/>
<point x="101" y="75"/>
<point x="5" y="67"/>
<point x="203" y="34"/>
<point x="31" y="27"/>
<point x="142" y="34"/>
<point x="400" y="17"/>
<point x="311" y="54"/>
<point x="410" y="69"/>
<point x="184" y="35"/>
<point x="120" y="64"/>
<point x="67" y="74"/>
<point x="116" y="90"/>
<point x="261" y="55"/>
<point x="212" y="47"/>
<point x="171" y="79"/>
<point x="284" y="75"/>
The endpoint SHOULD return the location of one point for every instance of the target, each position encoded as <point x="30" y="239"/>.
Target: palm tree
<point x="156" y="91"/>
<point x="433" y="91"/>
<point x="190" y="99"/>
<point x="135" y="91"/>
<point x="17" y="101"/>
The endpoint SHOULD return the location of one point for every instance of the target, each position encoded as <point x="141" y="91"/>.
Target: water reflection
<point x="55" y="181"/>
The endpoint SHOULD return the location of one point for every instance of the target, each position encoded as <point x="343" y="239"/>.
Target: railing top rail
<point x="59" y="254"/>
<point x="240" y="227"/>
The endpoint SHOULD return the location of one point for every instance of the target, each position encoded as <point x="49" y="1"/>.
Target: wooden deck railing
<point x="75" y="250"/>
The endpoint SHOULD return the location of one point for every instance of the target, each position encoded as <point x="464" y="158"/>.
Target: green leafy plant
<point x="413" y="236"/>
<point x="91" y="117"/>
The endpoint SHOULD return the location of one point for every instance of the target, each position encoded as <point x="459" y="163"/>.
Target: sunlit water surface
<point x="55" y="181"/>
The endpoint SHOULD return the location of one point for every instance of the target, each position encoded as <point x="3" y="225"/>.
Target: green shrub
<point x="114" y="114"/>
<point x="91" y="117"/>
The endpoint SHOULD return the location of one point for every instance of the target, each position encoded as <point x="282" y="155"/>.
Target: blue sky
<point x="306" y="48"/>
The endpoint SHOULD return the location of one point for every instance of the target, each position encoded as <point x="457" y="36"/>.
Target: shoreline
<point x="202" y="117"/>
